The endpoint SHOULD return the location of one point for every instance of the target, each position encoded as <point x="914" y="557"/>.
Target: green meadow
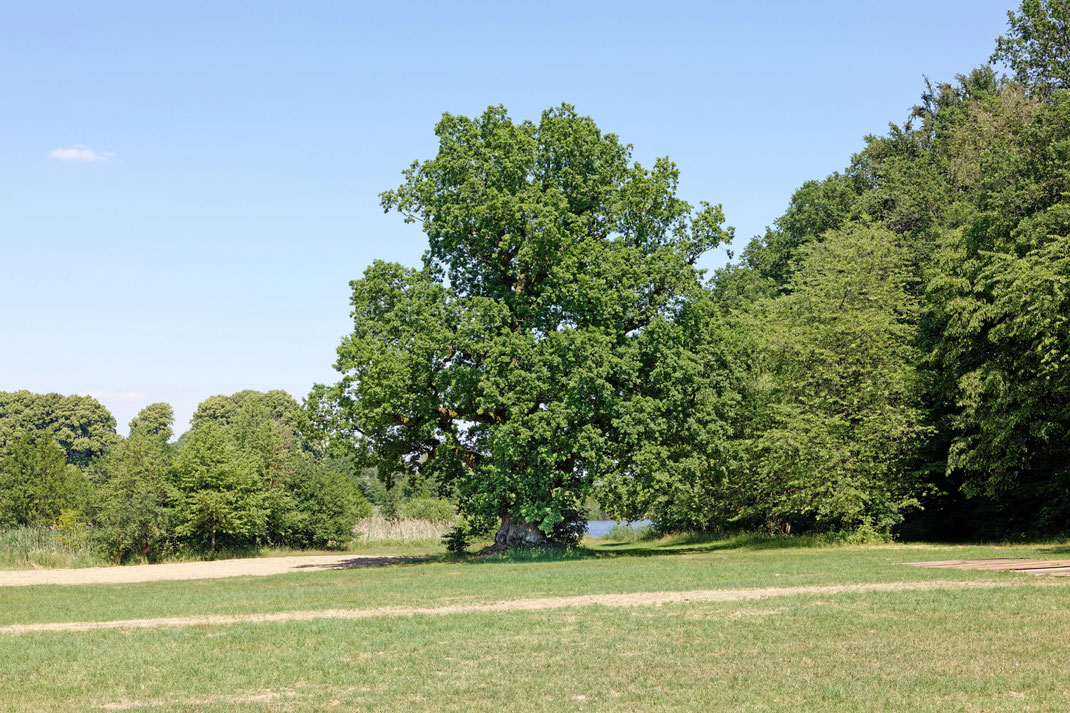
<point x="975" y="648"/>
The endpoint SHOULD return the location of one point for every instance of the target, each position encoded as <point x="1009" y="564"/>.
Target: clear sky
<point x="186" y="188"/>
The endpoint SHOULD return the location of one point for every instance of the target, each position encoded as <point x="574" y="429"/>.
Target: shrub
<point x="328" y="503"/>
<point x="456" y="540"/>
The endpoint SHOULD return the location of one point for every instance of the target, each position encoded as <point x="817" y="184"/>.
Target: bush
<point x="456" y="540"/>
<point x="329" y="504"/>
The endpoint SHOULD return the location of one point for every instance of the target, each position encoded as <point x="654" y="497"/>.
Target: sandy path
<point x="637" y="599"/>
<point x="252" y="567"/>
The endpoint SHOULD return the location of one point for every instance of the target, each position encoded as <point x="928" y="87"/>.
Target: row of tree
<point x="241" y="476"/>
<point x="894" y="353"/>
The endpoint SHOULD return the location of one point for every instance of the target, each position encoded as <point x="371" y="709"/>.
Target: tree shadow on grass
<point x="1063" y="549"/>
<point x="671" y="545"/>
<point x="362" y="562"/>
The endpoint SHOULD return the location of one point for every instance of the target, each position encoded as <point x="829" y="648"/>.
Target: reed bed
<point x="378" y="530"/>
<point x="31" y="547"/>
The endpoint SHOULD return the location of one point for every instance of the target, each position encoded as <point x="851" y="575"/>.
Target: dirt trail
<point x="252" y="567"/>
<point x="637" y="599"/>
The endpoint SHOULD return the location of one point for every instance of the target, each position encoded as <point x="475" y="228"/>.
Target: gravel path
<point x="252" y="567"/>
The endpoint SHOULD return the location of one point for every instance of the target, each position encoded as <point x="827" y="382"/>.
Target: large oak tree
<point x="524" y="364"/>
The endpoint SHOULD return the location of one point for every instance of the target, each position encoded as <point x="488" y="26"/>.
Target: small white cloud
<point x="78" y="152"/>
<point x="122" y="395"/>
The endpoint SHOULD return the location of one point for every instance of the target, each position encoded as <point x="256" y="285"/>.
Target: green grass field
<point x="976" y="648"/>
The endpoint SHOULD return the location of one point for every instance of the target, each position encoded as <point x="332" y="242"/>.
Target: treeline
<point x="241" y="477"/>
<point x="906" y="319"/>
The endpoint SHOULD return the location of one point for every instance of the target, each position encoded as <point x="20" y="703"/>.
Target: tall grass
<point x="378" y="530"/>
<point x="630" y="533"/>
<point x="28" y="547"/>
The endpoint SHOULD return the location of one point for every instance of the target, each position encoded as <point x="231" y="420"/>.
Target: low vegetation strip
<point x="635" y="599"/>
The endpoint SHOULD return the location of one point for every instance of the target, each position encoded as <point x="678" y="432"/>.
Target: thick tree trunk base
<point x="513" y="534"/>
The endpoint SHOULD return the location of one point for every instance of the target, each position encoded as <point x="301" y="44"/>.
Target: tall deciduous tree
<point x="837" y="391"/>
<point x="514" y="364"/>
<point x="224" y="409"/>
<point x="156" y="420"/>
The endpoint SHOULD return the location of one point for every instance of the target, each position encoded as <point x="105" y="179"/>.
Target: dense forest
<point x="891" y="358"/>
<point x="908" y="316"/>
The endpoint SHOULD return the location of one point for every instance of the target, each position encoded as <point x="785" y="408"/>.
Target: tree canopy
<point x="1037" y="45"/>
<point x="80" y="424"/>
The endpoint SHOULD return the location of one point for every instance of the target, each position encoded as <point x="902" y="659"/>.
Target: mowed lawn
<point x="972" y="648"/>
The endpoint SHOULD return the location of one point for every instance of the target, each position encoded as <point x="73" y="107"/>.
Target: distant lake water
<point x="601" y="528"/>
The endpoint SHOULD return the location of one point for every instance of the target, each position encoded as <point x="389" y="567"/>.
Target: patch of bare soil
<point x="250" y="567"/>
<point x="1056" y="568"/>
<point x="259" y="697"/>
<point x="637" y="599"/>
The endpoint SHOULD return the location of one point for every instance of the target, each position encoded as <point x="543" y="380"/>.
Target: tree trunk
<point x="515" y="533"/>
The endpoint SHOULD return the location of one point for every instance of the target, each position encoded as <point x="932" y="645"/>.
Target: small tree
<point x="220" y="492"/>
<point x="134" y="513"/>
<point x="36" y="483"/>
<point x="271" y="441"/>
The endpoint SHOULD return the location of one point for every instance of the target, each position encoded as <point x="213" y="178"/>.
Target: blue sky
<point x="187" y="188"/>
